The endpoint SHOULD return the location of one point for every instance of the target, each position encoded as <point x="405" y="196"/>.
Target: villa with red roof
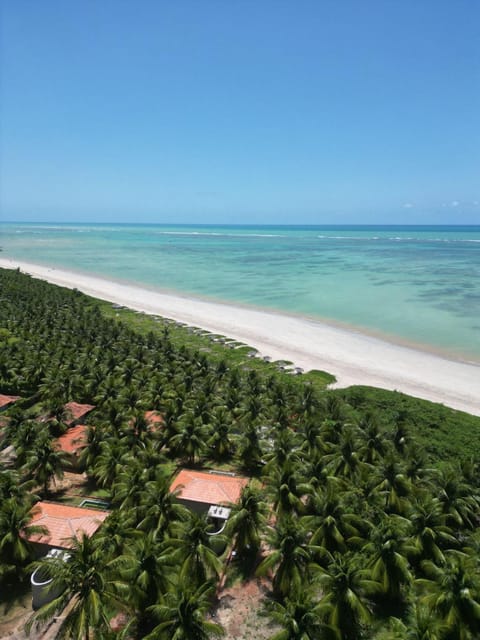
<point x="62" y="523"/>
<point x="155" y="420"/>
<point x="76" y="412"/>
<point x="200" y="490"/>
<point x="7" y="401"/>
<point x="72" y="442"/>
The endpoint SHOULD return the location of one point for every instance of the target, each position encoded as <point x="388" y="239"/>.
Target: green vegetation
<point x="444" y="434"/>
<point x="362" y="519"/>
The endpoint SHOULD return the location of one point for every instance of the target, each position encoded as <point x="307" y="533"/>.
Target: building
<point x="7" y="401"/>
<point x="62" y="523"/>
<point x="72" y="443"/>
<point x="204" y="491"/>
<point x="75" y="413"/>
<point x="154" y="419"/>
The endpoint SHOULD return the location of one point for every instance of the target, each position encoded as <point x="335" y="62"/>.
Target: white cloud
<point x="407" y="205"/>
<point x="454" y="203"/>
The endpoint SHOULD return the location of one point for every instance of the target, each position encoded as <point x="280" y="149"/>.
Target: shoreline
<point x="353" y="357"/>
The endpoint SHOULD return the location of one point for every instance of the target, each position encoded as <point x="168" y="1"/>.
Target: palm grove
<point x="357" y="531"/>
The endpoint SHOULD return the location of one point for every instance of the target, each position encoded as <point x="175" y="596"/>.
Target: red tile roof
<point x="75" y="411"/>
<point x="73" y="439"/>
<point x="63" y="522"/>
<point x="154" y="419"/>
<point x="6" y="401"/>
<point x="208" y="488"/>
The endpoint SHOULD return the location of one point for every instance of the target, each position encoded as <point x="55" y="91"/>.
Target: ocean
<point x="418" y="285"/>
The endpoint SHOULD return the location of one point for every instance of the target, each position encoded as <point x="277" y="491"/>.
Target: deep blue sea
<point x="419" y="285"/>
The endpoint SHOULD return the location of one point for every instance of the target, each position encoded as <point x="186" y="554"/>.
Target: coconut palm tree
<point x="286" y="451"/>
<point x="345" y="606"/>
<point x="459" y="503"/>
<point x="189" y="441"/>
<point x="148" y="574"/>
<point x="246" y="523"/>
<point x="25" y="437"/>
<point x="428" y="532"/>
<point x="299" y="619"/>
<point x="309" y="402"/>
<point x="221" y="441"/>
<point x="13" y="484"/>
<point x="453" y="593"/>
<point x="181" y="614"/>
<point x="15" y="527"/>
<point x="86" y="584"/>
<point x="109" y="465"/>
<point x="287" y="490"/>
<point x="130" y="485"/>
<point x="313" y="443"/>
<point x="161" y="513"/>
<point x="250" y="449"/>
<point x="401" y="435"/>
<point x="387" y="561"/>
<point x="420" y="624"/>
<point x="344" y="461"/>
<point x="289" y="558"/>
<point x="393" y="484"/>
<point x="374" y="444"/>
<point x="90" y="453"/>
<point x="116" y="531"/>
<point x="45" y="462"/>
<point x="192" y="550"/>
<point x="333" y="524"/>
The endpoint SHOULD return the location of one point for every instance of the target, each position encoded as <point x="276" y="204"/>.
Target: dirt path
<point x="239" y="611"/>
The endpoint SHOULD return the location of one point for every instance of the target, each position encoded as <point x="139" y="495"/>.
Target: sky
<point x="246" y="111"/>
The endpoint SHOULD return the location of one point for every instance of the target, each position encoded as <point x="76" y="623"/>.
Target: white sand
<point x="354" y="358"/>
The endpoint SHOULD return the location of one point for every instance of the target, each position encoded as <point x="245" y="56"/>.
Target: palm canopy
<point x="181" y="614"/>
<point x="453" y="593"/>
<point x="430" y="536"/>
<point x="299" y="618"/>
<point x="332" y="522"/>
<point x="345" y="606"/>
<point x="87" y="584"/>
<point x="387" y="559"/>
<point x="247" y="521"/>
<point x="287" y="489"/>
<point x="15" y="518"/>
<point x="192" y="550"/>
<point x="289" y="558"/>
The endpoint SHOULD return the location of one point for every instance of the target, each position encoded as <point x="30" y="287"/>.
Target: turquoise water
<point x="415" y="284"/>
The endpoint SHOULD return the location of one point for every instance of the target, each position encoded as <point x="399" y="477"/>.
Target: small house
<point x="154" y="419"/>
<point x="202" y="490"/>
<point x="7" y="401"/>
<point x="62" y="523"/>
<point x="75" y="413"/>
<point x="72" y="443"/>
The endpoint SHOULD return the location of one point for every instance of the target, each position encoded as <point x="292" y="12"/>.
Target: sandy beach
<point x="354" y="358"/>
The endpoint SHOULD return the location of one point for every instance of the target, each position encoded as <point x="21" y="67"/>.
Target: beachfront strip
<point x="335" y="478"/>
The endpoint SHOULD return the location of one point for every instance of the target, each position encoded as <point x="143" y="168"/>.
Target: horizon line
<point x="238" y="225"/>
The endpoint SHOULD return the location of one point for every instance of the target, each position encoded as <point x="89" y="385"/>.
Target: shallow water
<point x="415" y="284"/>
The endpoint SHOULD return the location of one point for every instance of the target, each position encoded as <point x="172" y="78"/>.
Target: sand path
<point x="354" y="358"/>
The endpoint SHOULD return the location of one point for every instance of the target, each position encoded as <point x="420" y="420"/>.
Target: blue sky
<point x="218" y="111"/>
